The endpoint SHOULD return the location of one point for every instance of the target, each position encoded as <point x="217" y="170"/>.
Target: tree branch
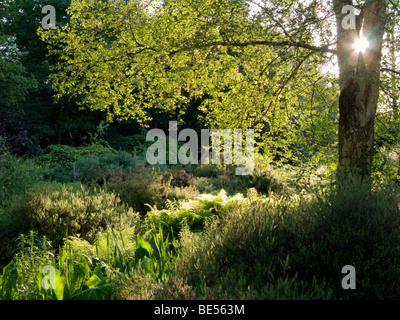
<point x="390" y="70"/>
<point x="323" y="49"/>
<point x="394" y="5"/>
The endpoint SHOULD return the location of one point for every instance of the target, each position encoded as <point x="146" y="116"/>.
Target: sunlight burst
<point x="361" y="44"/>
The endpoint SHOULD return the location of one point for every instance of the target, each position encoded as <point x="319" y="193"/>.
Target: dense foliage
<point x="79" y="201"/>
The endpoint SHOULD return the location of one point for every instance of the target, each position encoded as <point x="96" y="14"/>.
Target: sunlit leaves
<point x="126" y="57"/>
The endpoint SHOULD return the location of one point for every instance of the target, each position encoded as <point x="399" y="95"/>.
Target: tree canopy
<point x="256" y="64"/>
<point x="15" y="81"/>
<point x="126" y="57"/>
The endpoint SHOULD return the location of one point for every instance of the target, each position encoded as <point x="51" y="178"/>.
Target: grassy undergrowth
<point x="259" y="244"/>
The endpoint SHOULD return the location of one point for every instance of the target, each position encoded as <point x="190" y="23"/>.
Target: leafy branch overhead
<point x="125" y="57"/>
<point x="261" y="61"/>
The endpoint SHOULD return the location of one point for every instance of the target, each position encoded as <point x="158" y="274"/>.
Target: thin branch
<point x="395" y="6"/>
<point x="323" y="49"/>
<point x="390" y="70"/>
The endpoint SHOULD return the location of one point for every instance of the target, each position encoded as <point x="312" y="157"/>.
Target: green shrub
<point x="57" y="172"/>
<point x="208" y="171"/>
<point x="17" y="175"/>
<point x="226" y="180"/>
<point x="236" y="251"/>
<point x="65" y="155"/>
<point x="119" y="159"/>
<point x="205" y="185"/>
<point x="212" y="178"/>
<point x="135" y="189"/>
<point x="88" y="168"/>
<point x="76" y="277"/>
<point x="137" y="285"/>
<point x="265" y="180"/>
<point x="95" y="149"/>
<point x="192" y="213"/>
<point x="66" y="163"/>
<point x="276" y="248"/>
<point x="351" y="226"/>
<point x="57" y="210"/>
<point x="62" y="155"/>
<point x="143" y="189"/>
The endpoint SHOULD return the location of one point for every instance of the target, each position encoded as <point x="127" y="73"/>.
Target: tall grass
<point x="296" y="248"/>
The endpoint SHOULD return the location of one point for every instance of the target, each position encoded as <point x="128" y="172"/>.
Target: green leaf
<point x="143" y="249"/>
<point x="92" y="282"/>
<point x="60" y="285"/>
<point x="8" y="282"/>
<point x="150" y="266"/>
<point x="101" y="291"/>
<point x="59" y="282"/>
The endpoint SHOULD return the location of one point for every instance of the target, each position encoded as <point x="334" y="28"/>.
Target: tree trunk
<point x="359" y="85"/>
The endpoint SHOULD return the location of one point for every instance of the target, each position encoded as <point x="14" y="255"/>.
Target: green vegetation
<point x="261" y="244"/>
<point x="83" y="216"/>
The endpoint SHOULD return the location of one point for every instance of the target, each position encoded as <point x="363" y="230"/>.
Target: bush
<point x="17" y="175"/>
<point x="192" y="213"/>
<point x="143" y="189"/>
<point x="119" y="159"/>
<point x="212" y="178"/>
<point x="296" y="248"/>
<point x="88" y="168"/>
<point x="15" y="136"/>
<point x="208" y="171"/>
<point x="65" y="155"/>
<point x="66" y="163"/>
<point x="181" y="178"/>
<point x="352" y="226"/>
<point x="57" y="210"/>
<point x="224" y="179"/>
<point x="265" y="180"/>
<point x="135" y="189"/>
<point x="138" y="285"/>
<point x="58" y="173"/>
<point x="62" y="155"/>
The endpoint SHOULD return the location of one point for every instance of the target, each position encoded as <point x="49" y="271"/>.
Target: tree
<point x="46" y="121"/>
<point x="15" y="81"/>
<point x="253" y="64"/>
<point x="359" y="84"/>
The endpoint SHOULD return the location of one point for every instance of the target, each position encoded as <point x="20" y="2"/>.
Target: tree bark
<point x="359" y="84"/>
